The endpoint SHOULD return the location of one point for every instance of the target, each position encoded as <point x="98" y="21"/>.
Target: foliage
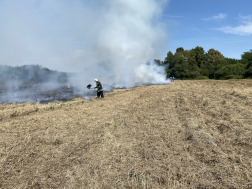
<point x="198" y="64"/>
<point x="200" y="56"/>
<point x="183" y="64"/>
<point x="233" y="77"/>
<point x="158" y="62"/>
<point x="180" y="49"/>
<point x="247" y="55"/>
<point x="181" y="68"/>
<point x="248" y="72"/>
<point x="229" y="70"/>
<point x="231" y="61"/>
<point x="201" y="77"/>
<point x="168" y="60"/>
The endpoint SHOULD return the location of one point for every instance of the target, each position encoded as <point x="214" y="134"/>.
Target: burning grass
<point x="188" y="134"/>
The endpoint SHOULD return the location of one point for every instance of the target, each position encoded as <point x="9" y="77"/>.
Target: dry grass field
<point x="188" y="134"/>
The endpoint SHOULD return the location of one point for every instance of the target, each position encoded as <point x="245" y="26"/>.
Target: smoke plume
<point x="104" y="39"/>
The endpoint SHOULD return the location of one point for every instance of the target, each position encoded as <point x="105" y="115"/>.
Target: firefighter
<point x="99" y="89"/>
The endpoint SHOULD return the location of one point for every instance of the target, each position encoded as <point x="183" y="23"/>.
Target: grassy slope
<point x="188" y="134"/>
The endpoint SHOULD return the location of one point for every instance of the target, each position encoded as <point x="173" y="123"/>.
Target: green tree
<point x="181" y="68"/>
<point x="247" y="60"/>
<point x="169" y="58"/>
<point x="195" y="62"/>
<point x="214" y="61"/>
<point x="158" y="62"/>
<point x="231" y="61"/>
<point x="199" y="55"/>
<point x="214" y="56"/>
<point x="180" y="49"/>
<point x="193" y="69"/>
<point x="247" y="56"/>
<point x="248" y="72"/>
<point x="230" y="71"/>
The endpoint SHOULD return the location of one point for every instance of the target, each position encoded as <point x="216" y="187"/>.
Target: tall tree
<point x="248" y="72"/>
<point x="168" y="60"/>
<point x="214" y="56"/>
<point x="247" y="59"/>
<point x="214" y="61"/>
<point x="199" y="55"/>
<point x="247" y="56"/>
<point x="158" y="62"/>
<point x="181" y="68"/>
<point x="193" y="68"/>
<point x="180" y="49"/>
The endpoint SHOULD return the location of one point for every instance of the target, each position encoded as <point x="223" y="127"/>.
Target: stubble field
<point x="187" y="134"/>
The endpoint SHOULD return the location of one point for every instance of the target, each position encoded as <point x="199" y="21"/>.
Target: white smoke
<point x="73" y="36"/>
<point x="151" y="73"/>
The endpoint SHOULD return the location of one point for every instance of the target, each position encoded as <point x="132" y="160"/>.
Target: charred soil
<point x="187" y="134"/>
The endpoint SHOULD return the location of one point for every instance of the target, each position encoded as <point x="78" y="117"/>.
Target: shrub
<point x="233" y="77"/>
<point x="201" y="77"/>
<point x="232" y="71"/>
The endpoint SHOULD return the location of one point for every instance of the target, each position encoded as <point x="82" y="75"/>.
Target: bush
<point x="232" y="71"/>
<point x="233" y="77"/>
<point x="201" y="77"/>
<point x="239" y="77"/>
<point x="229" y="77"/>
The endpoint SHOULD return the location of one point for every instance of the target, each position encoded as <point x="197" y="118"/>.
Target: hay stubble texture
<point x="188" y="134"/>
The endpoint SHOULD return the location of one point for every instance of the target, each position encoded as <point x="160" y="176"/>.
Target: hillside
<point x="188" y="134"/>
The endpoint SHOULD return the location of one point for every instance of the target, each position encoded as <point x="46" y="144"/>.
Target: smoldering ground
<point x="74" y="36"/>
<point x="30" y="83"/>
<point x="41" y="85"/>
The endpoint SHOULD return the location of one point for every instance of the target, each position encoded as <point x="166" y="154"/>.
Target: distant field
<point x="187" y="134"/>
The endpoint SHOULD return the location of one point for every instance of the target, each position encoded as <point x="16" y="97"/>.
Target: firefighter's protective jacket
<point x="99" y="86"/>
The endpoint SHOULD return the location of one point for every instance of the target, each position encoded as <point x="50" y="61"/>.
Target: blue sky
<point x="223" y="25"/>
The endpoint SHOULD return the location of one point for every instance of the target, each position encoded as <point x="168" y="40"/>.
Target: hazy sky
<point x="70" y="35"/>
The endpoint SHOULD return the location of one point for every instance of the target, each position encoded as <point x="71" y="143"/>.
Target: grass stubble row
<point x="187" y="134"/>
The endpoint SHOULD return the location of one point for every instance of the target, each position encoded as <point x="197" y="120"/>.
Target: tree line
<point x="183" y="64"/>
<point x="198" y="64"/>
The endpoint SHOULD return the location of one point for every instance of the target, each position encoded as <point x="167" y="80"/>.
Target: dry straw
<point x="188" y="134"/>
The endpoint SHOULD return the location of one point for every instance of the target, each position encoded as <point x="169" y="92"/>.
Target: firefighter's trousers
<point x="100" y="94"/>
